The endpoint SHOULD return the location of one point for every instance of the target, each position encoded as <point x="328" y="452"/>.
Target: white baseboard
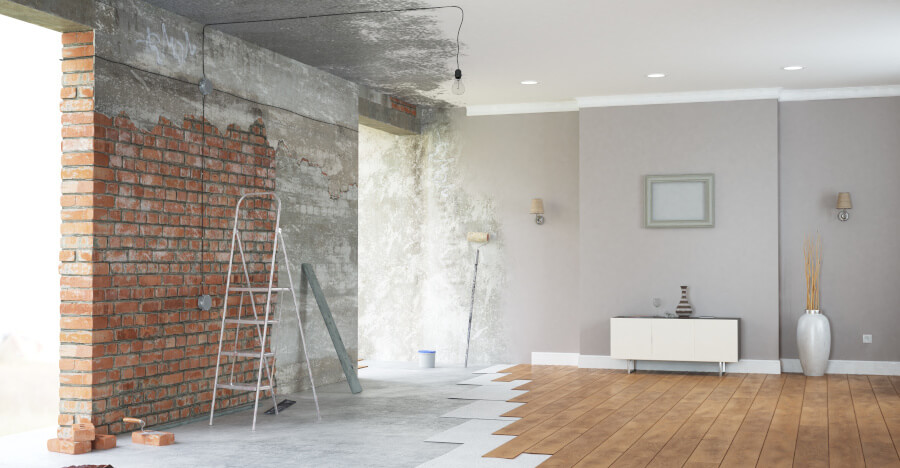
<point x="849" y="367"/>
<point x="744" y="366"/>
<point x="554" y="359"/>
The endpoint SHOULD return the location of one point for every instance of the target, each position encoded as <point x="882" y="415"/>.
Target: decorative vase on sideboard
<point x="684" y="309"/>
<point x="814" y="342"/>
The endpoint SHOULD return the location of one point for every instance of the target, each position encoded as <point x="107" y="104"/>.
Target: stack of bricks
<point x="142" y="210"/>
<point x="78" y="438"/>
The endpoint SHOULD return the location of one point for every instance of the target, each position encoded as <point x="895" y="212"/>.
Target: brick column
<point x="85" y="173"/>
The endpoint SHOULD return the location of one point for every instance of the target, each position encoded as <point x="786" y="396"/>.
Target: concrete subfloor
<point x="385" y="425"/>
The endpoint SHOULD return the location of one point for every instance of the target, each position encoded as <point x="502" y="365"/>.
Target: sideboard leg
<point x="721" y="368"/>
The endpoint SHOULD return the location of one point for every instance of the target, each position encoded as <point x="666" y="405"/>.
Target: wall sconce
<point x="537" y="209"/>
<point x="844" y="204"/>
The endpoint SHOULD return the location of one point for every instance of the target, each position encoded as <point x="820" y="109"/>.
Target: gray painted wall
<point x="843" y="146"/>
<point x="732" y="269"/>
<point x="419" y="195"/>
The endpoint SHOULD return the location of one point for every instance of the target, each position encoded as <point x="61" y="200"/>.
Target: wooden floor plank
<point x="878" y="448"/>
<point x="844" y="448"/>
<point x="551" y="384"/>
<point x="571" y="431"/>
<point x="781" y="439"/>
<point x="613" y="447"/>
<point x="588" y="383"/>
<point x="889" y="403"/>
<point x="677" y="449"/>
<point x="812" y="436"/>
<point x="714" y="444"/>
<point x="600" y="418"/>
<point x="747" y="444"/>
<point x="582" y="445"/>
<point x="642" y="451"/>
<point x="537" y="431"/>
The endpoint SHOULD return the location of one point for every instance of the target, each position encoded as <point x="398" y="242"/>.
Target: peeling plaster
<point x="416" y="266"/>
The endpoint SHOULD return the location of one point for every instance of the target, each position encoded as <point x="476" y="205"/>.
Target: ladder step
<point x="250" y="321"/>
<point x="262" y="290"/>
<point x="245" y="354"/>
<point x="246" y="387"/>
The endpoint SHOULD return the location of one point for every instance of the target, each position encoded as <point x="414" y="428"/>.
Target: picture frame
<point x="679" y="201"/>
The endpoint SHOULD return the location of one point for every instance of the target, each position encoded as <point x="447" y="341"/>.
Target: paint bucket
<point x="426" y="359"/>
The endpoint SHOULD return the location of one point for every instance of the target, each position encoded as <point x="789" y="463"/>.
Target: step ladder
<point x="260" y="319"/>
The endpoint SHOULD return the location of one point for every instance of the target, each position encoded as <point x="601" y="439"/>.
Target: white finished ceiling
<point x="582" y="48"/>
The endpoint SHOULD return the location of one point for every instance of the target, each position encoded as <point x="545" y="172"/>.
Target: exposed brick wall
<point x="136" y="207"/>
<point x="403" y="106"/>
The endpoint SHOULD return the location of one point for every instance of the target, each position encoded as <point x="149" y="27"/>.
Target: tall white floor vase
<point x="814" y="342"/>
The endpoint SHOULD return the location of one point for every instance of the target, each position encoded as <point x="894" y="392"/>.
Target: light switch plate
<point x="867" y="338"/>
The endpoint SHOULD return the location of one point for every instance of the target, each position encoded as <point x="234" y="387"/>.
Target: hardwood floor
<point x="599" y="418"/>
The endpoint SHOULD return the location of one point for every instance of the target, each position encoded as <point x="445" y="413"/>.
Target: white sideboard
<point x="674" y="339"/>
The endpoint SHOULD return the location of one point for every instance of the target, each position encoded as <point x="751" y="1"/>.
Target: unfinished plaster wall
<point x="148" y="195"/>
<point x="420" y="195"/>
<point x="415" y="282"/>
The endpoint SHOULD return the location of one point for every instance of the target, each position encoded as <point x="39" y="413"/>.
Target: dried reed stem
<point x="812" y="257"/>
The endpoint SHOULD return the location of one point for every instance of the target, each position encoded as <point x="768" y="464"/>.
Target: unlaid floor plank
<point x="889" y="402"/>
<point x="844" y="448"/>
<point x="679" y="448"/>
<point x="812" y="436"/>
<point x="642" y="451"/>
<point x="878" y="448"/>
<point x="748" y="441"/>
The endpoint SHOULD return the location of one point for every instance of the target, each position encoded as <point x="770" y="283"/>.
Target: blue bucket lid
<point x="426" y="351"/>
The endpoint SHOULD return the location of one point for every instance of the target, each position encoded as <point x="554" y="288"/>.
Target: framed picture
<point x="679" y="201"/>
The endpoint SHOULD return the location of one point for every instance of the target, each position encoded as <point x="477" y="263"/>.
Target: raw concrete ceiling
<point x="578" y="48"/>
<point x="410" y="54"/>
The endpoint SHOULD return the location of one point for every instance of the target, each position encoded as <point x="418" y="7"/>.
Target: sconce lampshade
<point x="843" y="201"/>
<point x="537" y="206"/>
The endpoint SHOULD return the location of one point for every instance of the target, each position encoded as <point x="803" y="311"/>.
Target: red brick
<point x="104" y="442"/>
<point x="68" y="446"/>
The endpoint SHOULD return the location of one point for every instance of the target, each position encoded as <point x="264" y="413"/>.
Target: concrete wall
<point x="732" y="269"/>
<point x="843" y="146"/>
<point x="419" y="195"/>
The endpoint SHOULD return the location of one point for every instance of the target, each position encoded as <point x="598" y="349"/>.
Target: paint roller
<point x="475" y="238"/>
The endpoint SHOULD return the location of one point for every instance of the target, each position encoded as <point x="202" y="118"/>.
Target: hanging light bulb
<point x="458" y="87"/>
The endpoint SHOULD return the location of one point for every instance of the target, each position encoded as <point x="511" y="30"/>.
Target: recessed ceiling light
<point x="656" y="75"/>
<point x="530" y="82"/>
<point x="793" y="68"/>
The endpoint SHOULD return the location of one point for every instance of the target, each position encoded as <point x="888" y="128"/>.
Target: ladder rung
<point x="250" y="321"/>
<point x="245" y="354"/>
<point x="247" y="387"/>
<point x="261" y="290"/>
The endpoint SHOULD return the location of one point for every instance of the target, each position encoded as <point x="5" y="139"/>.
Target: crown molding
<point x="678" y="98"/>
<point x="784" y="95"/>
<point x="523" y="108"/>
<point x="839" y="93"/>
